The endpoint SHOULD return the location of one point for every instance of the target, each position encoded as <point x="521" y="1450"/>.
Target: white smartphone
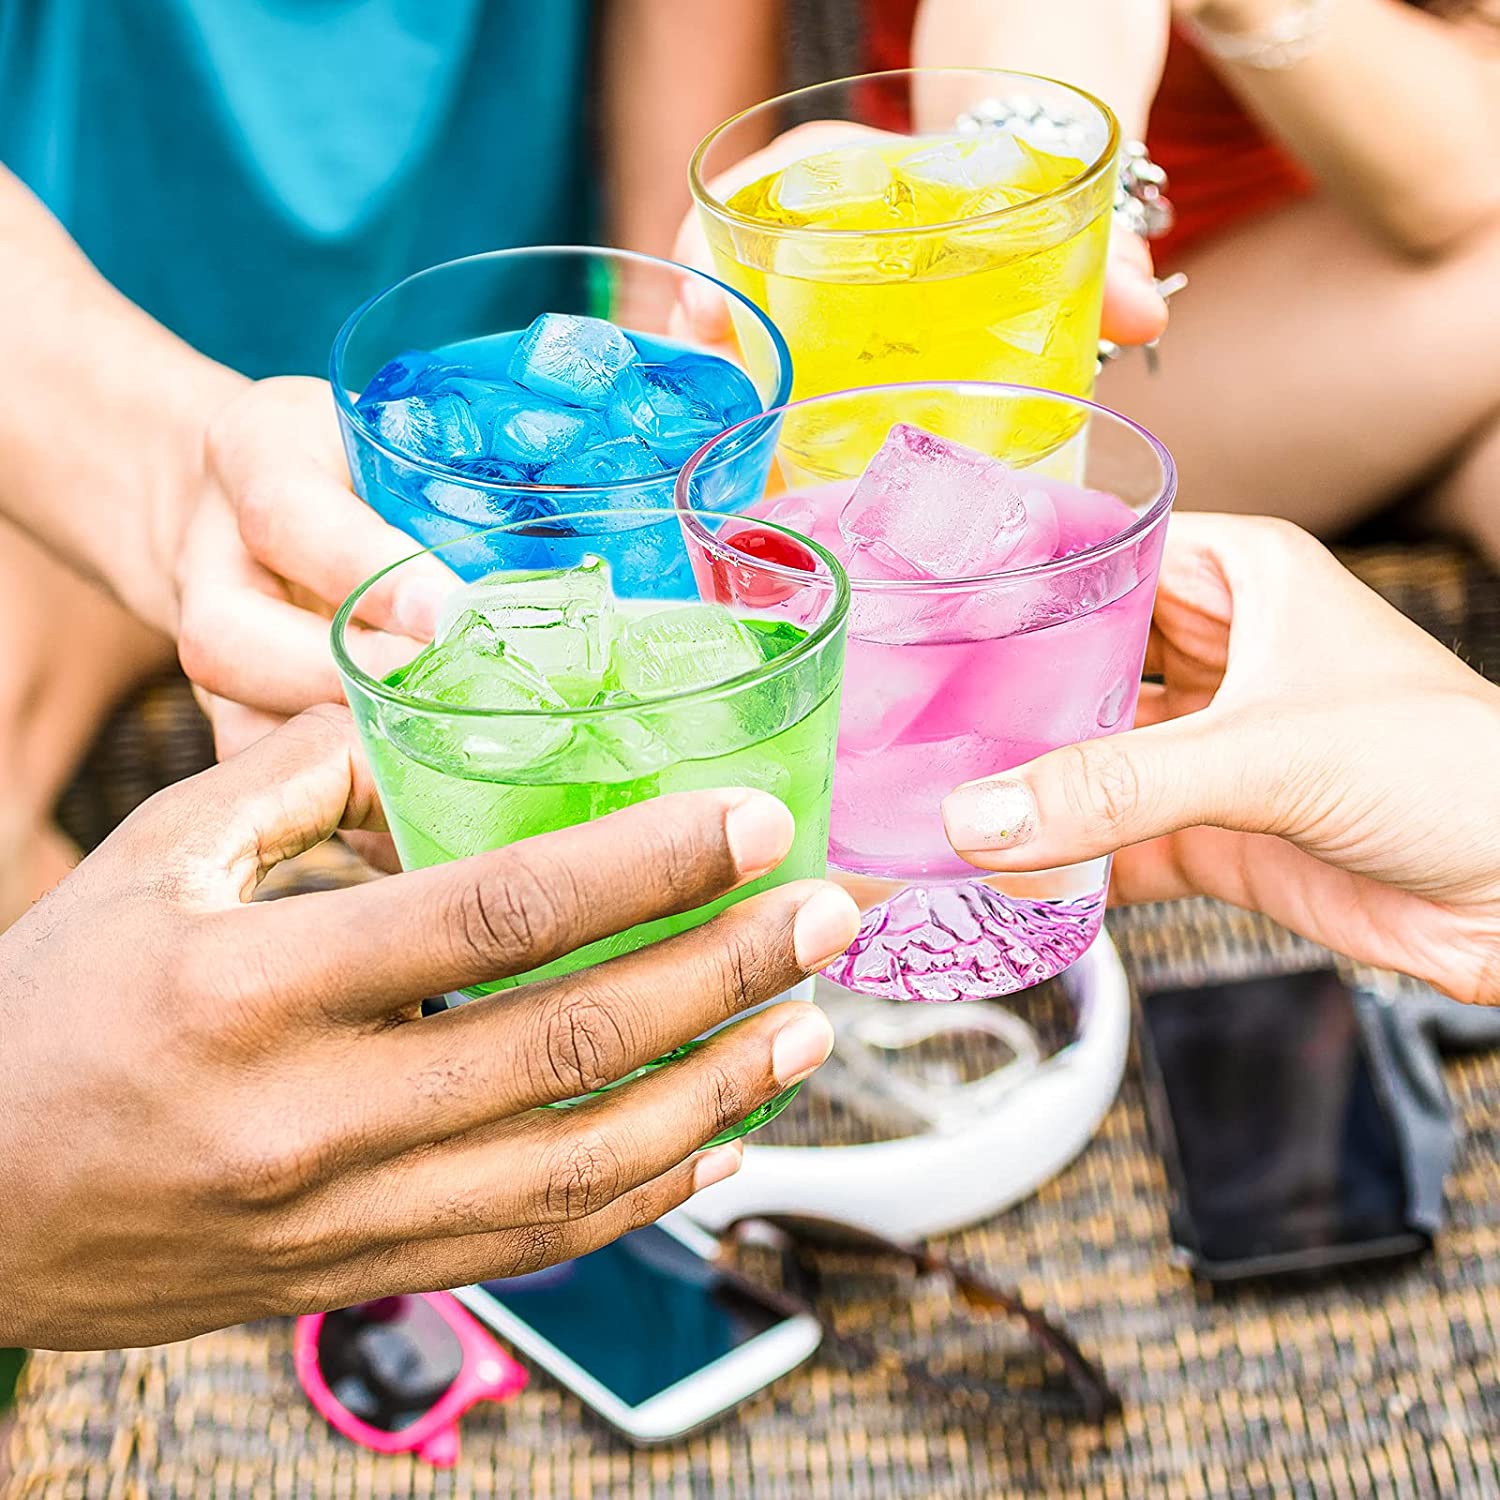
<point x="648" y="1331"/>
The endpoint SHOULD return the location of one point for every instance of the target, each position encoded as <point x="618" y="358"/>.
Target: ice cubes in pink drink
<point x="927" y="507"/>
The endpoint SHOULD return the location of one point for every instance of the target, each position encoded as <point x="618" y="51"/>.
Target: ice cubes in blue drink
<point x="605" y="463"/>
<point x="677" y="406"/>
<point x="417" y="372"/>
<point x="439" y="428"/>
<point x="534" y="433"/>
<point x="572" y="359"/>
<point x="545" y="420"/>
<point x="576" y="386"/>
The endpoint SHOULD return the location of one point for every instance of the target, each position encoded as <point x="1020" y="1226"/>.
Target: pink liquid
<point x="947" y="684"/>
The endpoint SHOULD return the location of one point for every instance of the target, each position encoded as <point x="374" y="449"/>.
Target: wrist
<point x="1263" y="35"/>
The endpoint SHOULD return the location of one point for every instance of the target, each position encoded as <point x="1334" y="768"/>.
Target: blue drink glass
<point x="487" y="296"/>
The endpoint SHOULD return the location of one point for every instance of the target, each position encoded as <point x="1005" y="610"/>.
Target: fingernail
<point x="759" y="831"/>
<point x="989" y="815"/>
<point x="826" y="925"/>
<point x="801" y="1047"/>
<point x="417" y="604"/>
<point x="714" y="1166"/>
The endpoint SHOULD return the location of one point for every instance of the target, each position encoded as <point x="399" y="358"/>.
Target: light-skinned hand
<point x="1310" y="753"/>
<point x="273" y="545"/>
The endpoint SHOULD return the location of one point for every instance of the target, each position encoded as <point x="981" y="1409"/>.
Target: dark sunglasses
<point x="1086" y="1394"/>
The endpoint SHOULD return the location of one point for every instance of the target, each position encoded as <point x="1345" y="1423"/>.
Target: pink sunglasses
<point x="396" y="1375"/>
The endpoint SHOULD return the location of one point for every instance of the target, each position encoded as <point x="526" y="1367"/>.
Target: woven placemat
<point x="1381" y="1383"/>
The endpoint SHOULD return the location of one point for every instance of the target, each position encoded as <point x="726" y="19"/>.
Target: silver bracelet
<point x="1289" y="37"/>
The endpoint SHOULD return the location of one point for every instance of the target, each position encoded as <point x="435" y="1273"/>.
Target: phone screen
<point x="640" y="1314"/>
<point x="1283" y="1143"/>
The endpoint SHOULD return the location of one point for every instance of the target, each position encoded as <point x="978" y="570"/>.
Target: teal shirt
<point x="249" y="170"/>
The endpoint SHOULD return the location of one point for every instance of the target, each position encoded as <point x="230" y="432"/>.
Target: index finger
<point x="368" y="952"/>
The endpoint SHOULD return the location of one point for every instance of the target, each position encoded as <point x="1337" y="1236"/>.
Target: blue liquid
<point x="449" y="502"/>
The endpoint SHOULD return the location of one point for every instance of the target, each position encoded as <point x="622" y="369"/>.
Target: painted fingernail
<point x="989" y="815"/>
<point x="714" y="1166"/>
<point x="759" y="831"/>
<point x="801" y="1047"/>
<point x="826" y="925"/>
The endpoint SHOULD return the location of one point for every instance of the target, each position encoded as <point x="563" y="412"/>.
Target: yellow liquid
<point x="922" y="283"/>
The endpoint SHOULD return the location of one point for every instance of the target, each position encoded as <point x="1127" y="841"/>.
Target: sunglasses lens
<point x="389" y="1362"/>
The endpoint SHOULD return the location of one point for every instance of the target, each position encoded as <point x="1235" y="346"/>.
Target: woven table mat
<point x="1380" y="1383"/>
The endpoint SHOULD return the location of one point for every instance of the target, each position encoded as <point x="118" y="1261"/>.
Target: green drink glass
<point x="543" y="696"/>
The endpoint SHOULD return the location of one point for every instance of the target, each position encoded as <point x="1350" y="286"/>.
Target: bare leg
<point x="1310" y="373"/>
<point x="1467" y="498"/>
<point x="70" y="654"/>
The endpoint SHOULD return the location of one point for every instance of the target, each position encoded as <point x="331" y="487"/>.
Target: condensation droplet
<point x="1113" y="705"/>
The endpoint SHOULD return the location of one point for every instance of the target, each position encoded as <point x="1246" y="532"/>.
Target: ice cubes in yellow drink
<point x="962" y="257"/>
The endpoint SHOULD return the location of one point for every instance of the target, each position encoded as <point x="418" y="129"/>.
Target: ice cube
<point x="927" y="507"/>
<point x="485" y="498"/>
<point x="831" y="179"/>
<point x="572" y="359"/>
<point x="440" y="428"/>
<point x="1028" y="329"/>
<point x="619" y="458"/>
<point x="705" y="385"/>
<point x="537" y="433"/>
<point x="471" y="667"/>
<point x="558" y="620"/>
<point x="414" y="373"/>
<point x="677" y="406"/>
<point x="972" y="163"/>
<point x="679" y="650"/>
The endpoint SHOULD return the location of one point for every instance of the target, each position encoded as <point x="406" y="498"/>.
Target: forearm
<point x="673" y="69"/>
<point x="101" y="416"/>
<point x="1113" y="48"/>
<point x="1397" y="112"/>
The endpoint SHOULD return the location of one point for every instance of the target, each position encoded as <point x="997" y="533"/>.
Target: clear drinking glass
<point x="951" y="679"/>
<point x="458" y="775"/>
<point x="485" y="297"/>
<point x="957" y="230"/>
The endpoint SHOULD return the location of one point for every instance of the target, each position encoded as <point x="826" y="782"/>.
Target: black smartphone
<point x="1280" y="1147"/>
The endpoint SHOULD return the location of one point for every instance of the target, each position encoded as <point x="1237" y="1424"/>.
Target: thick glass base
<point x="965" y="940"/>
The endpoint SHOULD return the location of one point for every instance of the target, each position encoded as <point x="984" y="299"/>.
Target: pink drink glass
<point x="947" y="680"/>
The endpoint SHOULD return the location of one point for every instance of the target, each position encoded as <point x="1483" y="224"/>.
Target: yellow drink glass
<point x="955" y="228"/>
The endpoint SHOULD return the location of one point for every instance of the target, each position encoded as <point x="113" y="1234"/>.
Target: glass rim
<point x="439" y="470"/>
<point x="836" y="582"/>
<point x="1090" y="173"/>
<point x="1144" y="522"/>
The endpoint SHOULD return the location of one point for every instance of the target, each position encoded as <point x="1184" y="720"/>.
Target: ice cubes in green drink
<point x="472" y="666"/>
<point x="556" y="639"/>
<point x="679" y="650"/>
<point x="559" y="620"/>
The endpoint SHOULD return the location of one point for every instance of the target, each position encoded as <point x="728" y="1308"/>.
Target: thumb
<point x="1102" y="795"/>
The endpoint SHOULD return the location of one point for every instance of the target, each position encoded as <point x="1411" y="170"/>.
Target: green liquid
<point x="777" y="735"/>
